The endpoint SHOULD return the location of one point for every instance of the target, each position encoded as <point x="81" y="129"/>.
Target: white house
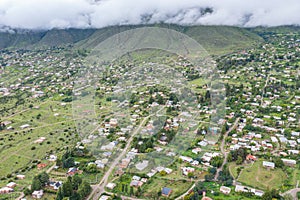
<point x="37" y="194"/>
<point x="225" y="190"/>
<point x="269" y="165"/>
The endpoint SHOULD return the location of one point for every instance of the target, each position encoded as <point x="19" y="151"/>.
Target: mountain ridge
<point x="216" y="39"/>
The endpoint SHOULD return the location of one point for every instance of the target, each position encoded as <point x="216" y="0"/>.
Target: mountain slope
<point x="215" y="39"/>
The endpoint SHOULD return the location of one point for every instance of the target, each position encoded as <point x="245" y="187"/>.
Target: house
<point x="41" y="166"/>
<point x="37" y="194"/>
<point x="20" y="176"/>
<point x="196" y="150"/>
<point x="104" y="197"/>
<point x="202" y="143"/>
<point x="251" y="158"/>
<point x="6" y="190"/>
<point x="72" y="171"/>
<point x="225" y="190"/>
<point x="55" y="185"/>
<point x="11" y="185"/>
<point x="40" y="140"/>
<point x="52" y="158"/>
<point x="269" y="165"/>
<point x="137" y="178"/>
<point x="119" y="172"/>
<point x="187" y="170"/>
<point x="168" y="170"/>
<point x="294" y="152"/>
<point x="186" y="159"/>
<point x="24" y="126"/>
<point x="136" y="183"/>
<point x="166" y="192"/>
<point x="124" y="163"/>
<point x="289" y="162"/>
<point x="111" y="186"/>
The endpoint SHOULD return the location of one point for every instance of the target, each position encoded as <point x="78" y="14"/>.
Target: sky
<point x="48" y="14"/>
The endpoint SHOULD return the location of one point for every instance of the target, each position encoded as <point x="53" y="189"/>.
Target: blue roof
<point x="166" y="191"/>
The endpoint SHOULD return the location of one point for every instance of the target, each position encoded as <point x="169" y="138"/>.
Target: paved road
<point x="99" y="189"/>
<point x="225" y="154"/>
<point x="293" y="193"/>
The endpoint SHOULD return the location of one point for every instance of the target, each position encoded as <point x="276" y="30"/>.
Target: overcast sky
<point x="47" y="14"/>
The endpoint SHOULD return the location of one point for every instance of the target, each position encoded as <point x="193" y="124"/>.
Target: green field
<point x="259" y="177"/>
<point x="178" y="187"/>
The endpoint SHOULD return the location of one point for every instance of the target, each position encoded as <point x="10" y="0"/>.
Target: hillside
<point x="215" y="39"/>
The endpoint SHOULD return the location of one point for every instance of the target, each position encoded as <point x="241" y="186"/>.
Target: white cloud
<point x="47" y="14"/>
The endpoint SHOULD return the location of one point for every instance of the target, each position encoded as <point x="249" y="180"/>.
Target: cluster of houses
<point x="8" y="188"/>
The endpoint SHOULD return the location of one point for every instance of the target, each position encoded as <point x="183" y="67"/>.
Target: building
<point x="55" y="185"/>
<point x="20" y="176"/>
<point x="38" y="194"/>
<point x="166" y="192"/>
<point x="11" y="185"/>
<point x="187" y="170"/>
<point x="104" y="197"/>
<point x="111" y="186"/>
<point x="241" y="188"/>
<point x="225" y="190"/>
<point x="269" y="165"/>
<point x="6" y="190"/>
<point x="41" y="166"/>
<point x="72" y="171"/>
<point x="251" y="158"/>
<point x="52" y="158"/>
<point x="289" y="162"/>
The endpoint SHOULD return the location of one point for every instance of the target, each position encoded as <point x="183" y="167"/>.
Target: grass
<point x="233" y="169"/>
<point x="18" y="148"/>
<point x="9" y="196"/>
<point x="259" y="177"/>
<point x="178" y="187"/>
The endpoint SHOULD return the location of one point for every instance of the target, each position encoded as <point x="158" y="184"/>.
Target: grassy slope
<point x="262" y="178"/>
<point x="215" y="39"/>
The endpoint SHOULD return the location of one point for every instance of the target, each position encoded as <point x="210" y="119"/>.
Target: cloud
<point x="48" y="14"/>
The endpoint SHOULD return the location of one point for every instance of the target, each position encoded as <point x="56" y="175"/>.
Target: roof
<point x="224" y="188"/>
<point x="268" y="164"/>
<point x="166" y="191"/>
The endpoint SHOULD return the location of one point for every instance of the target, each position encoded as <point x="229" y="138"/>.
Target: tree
<point x="278" y="162"/>
<point x="44" y="178"/>
<point x="84" y="189"/>
<point x="26" y="191"/>
<point x="36" y="184"/>
<point x="69" y="162"/>
<point x="229" y="157"/>
<point x="216" y="161"/>
<point x="270" y="194"/>
<point x="67" y="188"/>
<point x="131" y="191"/>
<point x="190" y="174"/>
<point x="209" y="177"/>
<point x="75" y="196"/>
<point x="60" y="194"/>
<point x="91" y="168"/>
<point x="163" y="173"/>
<point x="76" y="181"/>
<point x="239" y="160"/>
<point x="212" y="170"/>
